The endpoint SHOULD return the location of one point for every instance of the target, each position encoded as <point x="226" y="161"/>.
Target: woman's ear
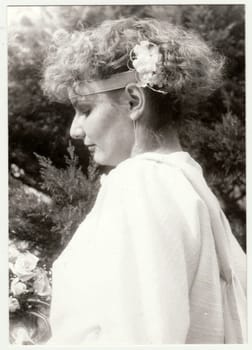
<point x="136" y="100"/>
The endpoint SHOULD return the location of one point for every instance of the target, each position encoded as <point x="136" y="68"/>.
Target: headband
<point x="115" y="82"/>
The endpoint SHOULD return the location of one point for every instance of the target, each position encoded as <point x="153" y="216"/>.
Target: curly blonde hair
<point x="195" y="70"/>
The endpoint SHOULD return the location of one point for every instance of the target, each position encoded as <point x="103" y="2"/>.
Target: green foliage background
<point x="215" y="136"/>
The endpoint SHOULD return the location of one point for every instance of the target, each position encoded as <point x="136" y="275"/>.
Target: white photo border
<point x="4" y="315"/>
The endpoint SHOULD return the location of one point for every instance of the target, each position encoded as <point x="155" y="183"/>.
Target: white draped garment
<point x="143" y="267"/>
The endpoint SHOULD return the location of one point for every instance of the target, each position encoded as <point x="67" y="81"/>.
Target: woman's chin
<point x="100" y="158"/>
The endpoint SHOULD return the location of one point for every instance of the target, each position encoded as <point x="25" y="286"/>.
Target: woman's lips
<point x="91" y="148"/>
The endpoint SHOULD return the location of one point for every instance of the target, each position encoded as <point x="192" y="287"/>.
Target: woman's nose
<point x="77" y="130"/>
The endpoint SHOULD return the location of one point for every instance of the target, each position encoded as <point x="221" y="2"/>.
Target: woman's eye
<point x="87" y="112"/>
<point x="84" y="111"/>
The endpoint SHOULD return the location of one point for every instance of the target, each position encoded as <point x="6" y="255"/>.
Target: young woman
<point x="155" y="261"/>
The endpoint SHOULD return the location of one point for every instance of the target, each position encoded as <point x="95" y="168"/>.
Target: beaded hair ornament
<point x="148" y="63"/>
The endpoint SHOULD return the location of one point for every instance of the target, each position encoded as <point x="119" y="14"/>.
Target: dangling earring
<point x="135" y="133"/>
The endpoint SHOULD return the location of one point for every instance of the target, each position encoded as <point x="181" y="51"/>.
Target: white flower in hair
<point x="146" y="60"/>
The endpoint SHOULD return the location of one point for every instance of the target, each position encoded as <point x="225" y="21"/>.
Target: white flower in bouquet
<point x="16" y="171"/>
<point x="20" y="336"/>
<point x="13" y="304"/>
<point x="13" y="253"/>
<point x="29" y="298"/>
<point x="18" y="287"/>
<point x="22" y="245"/>
<point x="41" y="283"/>
<point x="24" y="266"/>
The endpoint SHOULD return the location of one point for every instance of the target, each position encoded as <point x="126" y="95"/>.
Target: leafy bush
<point x="73" y="193"/>
<point x="48" y="226"/>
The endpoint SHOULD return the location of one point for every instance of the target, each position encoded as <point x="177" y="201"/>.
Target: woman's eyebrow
<point x="83" y="104"/>
<point x="81" y="100"/>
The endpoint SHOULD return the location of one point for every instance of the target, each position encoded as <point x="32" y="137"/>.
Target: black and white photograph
<point x="127" y="187"/>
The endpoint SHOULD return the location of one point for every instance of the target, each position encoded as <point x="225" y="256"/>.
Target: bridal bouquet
<point x="29" y="296"/>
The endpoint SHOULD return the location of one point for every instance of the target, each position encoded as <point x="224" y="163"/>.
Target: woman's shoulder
<point x="145" y="163"/>
<point x="130" y="172"/>
<point x="155" y="172"/>
<point x="151" y="163"/>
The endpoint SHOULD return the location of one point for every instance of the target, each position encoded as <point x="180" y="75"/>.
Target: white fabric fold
<point x="144" y="266"/>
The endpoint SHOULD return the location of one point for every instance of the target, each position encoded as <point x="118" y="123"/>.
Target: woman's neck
<point x="162" y="143"/>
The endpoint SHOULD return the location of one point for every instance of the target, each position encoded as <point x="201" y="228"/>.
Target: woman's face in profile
<point x="105" y="127"/>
